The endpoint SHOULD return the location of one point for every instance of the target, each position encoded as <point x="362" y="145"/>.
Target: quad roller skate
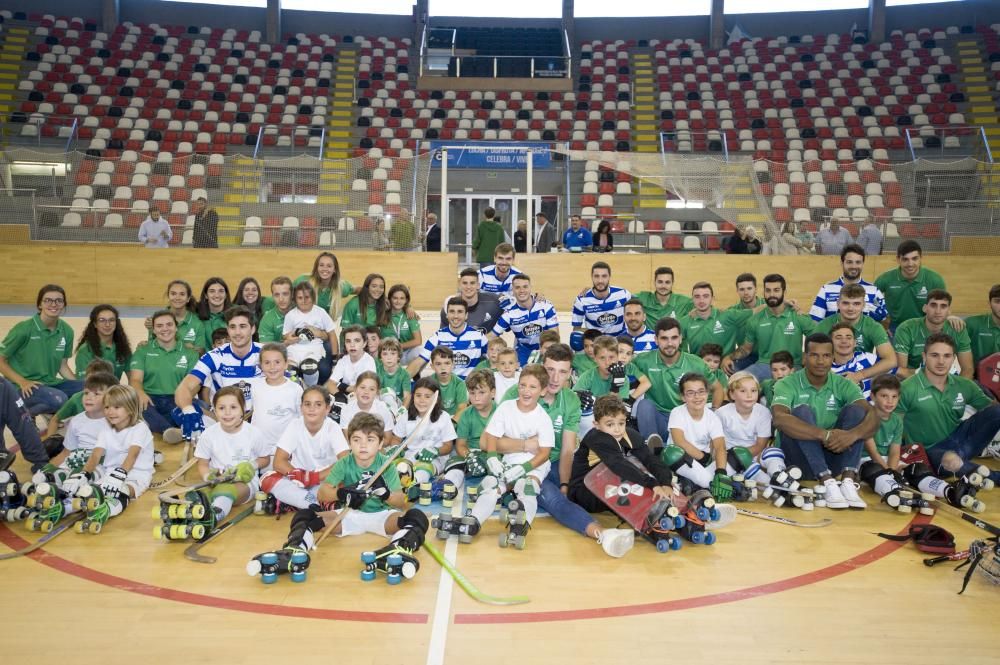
<point x="786" y="490"/>
<point x="463" y="527"/>
<point x="661" y="526"/>
<point x="12" y="508"/>
<point x="905" y="500"/>
<point x="397" y="562"/>
<point x="269" y="565"/>
<point x="268" y="504"/>
<point x="427" y="492"/>
<point x="45" y="502"/>
<point x="700" y="510"/>
<point x="962" y="494"/>
<point x="193" y="519"/>
<point x="92" y="499"/>
<point x="515" y="520"/>
<point x="980" y="478"/>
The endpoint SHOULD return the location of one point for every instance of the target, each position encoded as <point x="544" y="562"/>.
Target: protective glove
<point x="617" y="371"/>
<point x="513" y="473"/>
<point x="351" y="497"/>
<point x="113" y="483"/>
<point x="428" y="455"/>
<point x="576" y="340"/>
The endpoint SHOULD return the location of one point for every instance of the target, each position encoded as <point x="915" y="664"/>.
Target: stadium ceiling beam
<point x="717" y="24"/>
<point x="109" y="15"/>
<point x="876" y="21"/>
<point x="569" y="24"/>
<point x="272" y="23"/>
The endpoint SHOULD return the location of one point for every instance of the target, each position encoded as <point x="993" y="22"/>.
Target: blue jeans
<point x="157" y="414"/>
<point x="651" y="420"/>
<point x="48" y="399"/>
<point x="743" y="363"/>
<point x="562" y="509"/>
<point x="15" y="417"/>
<point x="967" y="441"/>
<point x="810" y="455"/>
<point x="760" y="370"/>
<point x="326" y="363"/>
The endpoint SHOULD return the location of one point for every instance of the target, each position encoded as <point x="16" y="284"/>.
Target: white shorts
<point x="138" y="481"/>
<point x="356" y="523"/>
<point x="299" y="352"/>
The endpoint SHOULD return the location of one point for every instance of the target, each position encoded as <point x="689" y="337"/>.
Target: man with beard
<point x="907" y="286"/>
<point x="706" y="324"/>
<point x="869" y="337"/>
<point x="498" y="276"/>
<point x="911" y="336"/>
<point x="467" y="343"/>
<point x="852" y="262"/>
<point x="483" y="308"/>
<point x="777" y="328"/>
<point x="602" y="307"/>
<point x="662" y="301"/>
<point x="643" y="339"/>
<point x="526" y="317"/>
<point x="664" y="369"/>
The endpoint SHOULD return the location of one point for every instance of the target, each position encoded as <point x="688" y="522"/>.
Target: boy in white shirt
<point x="354" y="361"/>
<point x="366" y="400"/>
<point x="305" y="329"/>
<point x="507" y="372"/>
<point x="275" y="399"/>
<point x="696" y="434"/>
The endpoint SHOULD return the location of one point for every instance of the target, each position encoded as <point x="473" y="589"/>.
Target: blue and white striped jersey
<point x="644" y="341"/>
<point x="829" y="294"/>
<point x="860" y="362"/>
<point x="488" y="280"/>
<point x="221" y="367"/>
<point x="607" y="315"/>
<point x="527" y="325"/>
<point x="469" y="347"/>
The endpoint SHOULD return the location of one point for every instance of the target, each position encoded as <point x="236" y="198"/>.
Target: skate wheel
<point x="465" y="538"/>
<point x="703" y="514"/>
<point x="930" y="511"/>
<point x="48" y="502"/>
<point x="663" y="546"/>
<point x="767" y="492"/>
<point x="197" y="511"/>
<point x="157" y="532"/>
<point x="679" y="521"/>
<point x="269" y="578"/>
<point x="892" y="500"/>
<point x="504" y="516"/>
<point x="447" y="503"/>
<point x="436" y="522"/>
<point x="903" y="508"/>
<point x="442" y="535"/>
<point x="80" y="527"/>
<point x="77" y="504"/>
<point x="503" y="540"/>
<point x="367" y="557"/>
<point x="299" y="577"/>
<point x="519" y="542"/>
<point x="156" y="513"/>
<point x="409" y="570"/>
<point x="798" y="501"/>
<point x="779" y="501"/>
<point x="253" y="567"/>
<point x="697" y="537"/>
<point x="807" y="506"/>
<point x="714" y="514"/>
<point x="158" y="458"/>
<point x="666" y="523"/>
<point x="675" y="543"/>
<point x="710" y="538"/>
<point x="394" y="578"/>
<point x="95" y="527"/>
<point x="820" y="503"/>
<point x="394" y="560"/>
<point x="367" y="575"/>
<point x="198" y="531"/>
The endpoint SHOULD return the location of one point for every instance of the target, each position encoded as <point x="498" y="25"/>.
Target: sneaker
<point x="655" y="443"/>
<point x="993" y="449"/>
<point x="616" y="542"/>
<point x="849" y="489"/>
<point x="173" y="435"/>
<point x="834" y="497"/>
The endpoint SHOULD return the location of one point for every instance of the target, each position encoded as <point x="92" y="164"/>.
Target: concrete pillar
<point x="420" y="21"/>
<point x="109" y="15"/>
<point x="717" y="24"/>
<point x="272" y="25"/>
<point x="876" y="21"/>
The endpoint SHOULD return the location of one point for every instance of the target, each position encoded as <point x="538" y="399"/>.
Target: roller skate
<point x="786" y="490"/>
<point x="700" y="510"/>
<point x="661" y="524"/>
<point x="725" y="489"/>
<point x="49" y="474"/>
<point x="395" y="560"/>
<point x="269" y="565"/>
<point x="193" y="519"/>
<point x="96" y="515"/>
<point x="45" y="502"/>
<point x="515" y="520"/>
<point x="962" y="494"/>
<point x="12" y="508"/>
<point x="463" y="527"/>
<point x="980" y="478"/>
<point x="268" y="504"/>
<point x="905" y="500"/>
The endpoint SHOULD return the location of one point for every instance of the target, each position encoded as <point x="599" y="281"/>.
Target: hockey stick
<point x="175" y="495"/>
<point x="956" y="556"/>
<point x="41" y="542"/>
<point x="826" y="521"/>
<point x="339" y="516"/>
<point x="467" y="586"/>
<point x="175" y="476"/>
<point x="952" y="510"/>
<point x="192" y="551"/>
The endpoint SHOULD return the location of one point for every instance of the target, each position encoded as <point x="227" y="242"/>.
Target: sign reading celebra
<point x="492" y="155"/>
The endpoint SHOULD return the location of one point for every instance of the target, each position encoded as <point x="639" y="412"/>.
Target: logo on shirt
<point x="924" y="398"/>
<point x="831" y="403"/>
<point x="718" y="328"/>
<point x="607" y="319"/>
<point x="790" y="328"/>
<point x="531" y="330"/>
<point x="182" y="361"/>
<point x="922" y="293"/>
<point x="61" y="346"/>
<point x="461" y="360"/>
<point x="189" y="335"/>
<point x="959" y="401"/>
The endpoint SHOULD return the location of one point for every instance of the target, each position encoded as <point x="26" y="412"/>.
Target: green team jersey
<point x="931" y="415"/>
<point x="663" y="391"/>
<point x="71" y="407"/>
<point x="323" y="296"/>
<point x="564" y="411"/>
<point x="401" y="328"/>
<point x="453" y="394"/>
<point x="471" y="425"/>
<point x="868" y="333"/>
<point x="720" y="327"/>
<point x="677" y="305"/>
<point x="582" y="362"/>
<point x="739" y="305"/>
<point x="162" y="370"/>
<point x="346" y="472"/>
<point x="716" y="376"/>
<point x="767" y="390"/>
<point x="911" y="337"/>
<point x="35" y="352"/>
<point x="890" y="433"/>
<point x="984" y="335"/>
<point x="271" y="326"/>
<point x="190" y="332"/>
<point x="398" y="382"/>
<point x="769" y="333"/>
<point x="592" y="382"/>
<point x="215" y="321"/>
<point x="84" y="355"/>
<point x="825" y="402"/>
<point x="352" y="314"/>
<point x="266" y="304"/>
<point x="905" y="298"/>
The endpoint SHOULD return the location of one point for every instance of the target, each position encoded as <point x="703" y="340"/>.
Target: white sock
<point x="115" y="507"/>
<point x="456" y="477"/>
<point x="289" y="493"/>
<point x="485" y="504"/>
<point x="421" y="476"/>
<point x="696" y="473"/>
<point x="885" y="484"/>
<point x="224" y="504"/>
<point x="932" y="485"/>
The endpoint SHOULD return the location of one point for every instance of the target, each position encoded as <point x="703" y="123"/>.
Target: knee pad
<point x="675" y="457"/>
<point x="227" y="490"/>
<point x="951" y="462"/>
<point x="454" y="463"/>
<point x="309" y="366"/>
<point x="914" y="473"/>
<point x="124" y="498"/>
<point x="772" y="453"/>
<point x="739" y="458"/>
<point x="53" y="445"/>
<point x="424" y="466"/>
<point x="870" y="471"/>
<point x="306" y="518"/>
<point x="269" y="480"/>
<point x="489" y="483"/>
<point x="414" y="518"/>
<point x="525" y="487"/>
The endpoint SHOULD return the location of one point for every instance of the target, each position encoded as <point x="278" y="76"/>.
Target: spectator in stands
<point x="745" y="241"/>
<point x="706" y="324"/>
<point x="852" y="262"/>
<point x="403" y="235"/>
<point x="984" y="329"/>
<point x="798" y="237"/>
<point x="497" y="277"/>
<point x="577" y="238"/>
<point x="432" y="236"/>
<point x="824" y="421"/>
<point x="521" y="237"/>
<point x="488" y="234"/>
<point x="248" y="294"/>
<point x="380" y="237"/>
<point x="104" y="337"/>
<point x="907" y="286"/>
<point x="16" y="417"/>
<point x="869" y="336"/>
<point x="206" y="225"/>
<point x="870" y="237"/>
<point x="545" y="234"/>
<point x="603" y="240"/>
<point x="912" y="335"/>
<point x="483" y="308"/>
<point x="831" y="240"/>
<point x="35" y="354"/>
<point x="154" y="232"/>
<point x="662" y="301"/>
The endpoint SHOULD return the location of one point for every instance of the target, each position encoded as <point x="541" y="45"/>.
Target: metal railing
<point x="672" y="142"/>
<point x="293" y="147"/>
<point x="41" y="130"/>
<point x="948" y="142"/>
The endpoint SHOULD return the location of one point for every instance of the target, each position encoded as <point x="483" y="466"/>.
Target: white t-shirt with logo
<point x="743" y="432"/>
<point x="510" y="421"/>
<point x="274" y="407"/>
<point x="346" y="370"/>
<point x="224" y="450"/>
<point x="432" y="435"/>
<point x="116" y="445"/>
<point x="378" y="409"/>
<point x="83" y="432"/>
<point x="313" y="452"/>
<point x="316" y="317"/>
<point x="699" y="433"/>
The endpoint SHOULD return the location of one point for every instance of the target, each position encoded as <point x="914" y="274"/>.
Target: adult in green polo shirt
<point x="984" y="329"/>
<point x="706" y="324"/>
<point x="824" y="421"/>
<point x="157" y="368"/>
<point x="104" y="337"/>
<point x="777" y="328"/>
<point x="326" y="278"/>
<point x="212" y="305"/>
<point x="869" y="336"/>
<point x="273" y="321"/>
<point x="35" y="354"/>
<point x="402" y="322"/>
<point x="933" y="402"/>
<point x="366" y="308"/>
<point x="181" y="303"/>
<point x="906" y="287"/>
<point x="912" y="335"/>
<point x="664" y="369"/>
<point x="662" y="301"/>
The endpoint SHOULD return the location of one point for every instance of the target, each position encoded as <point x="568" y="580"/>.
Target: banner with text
<point x="492" y="155"/>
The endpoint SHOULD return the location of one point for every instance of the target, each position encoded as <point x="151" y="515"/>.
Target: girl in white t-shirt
<point x="275" y="399"/>
<point x="306" y="452"/>
<point x="365" y="399"/>
<point x="231" y="446"/>
<point x="429" y="449"/>
<point x="695" y="433"/>
<point x="305" y="329"/>
<point x="523" y="428"/>
<point x="354" y="361"/>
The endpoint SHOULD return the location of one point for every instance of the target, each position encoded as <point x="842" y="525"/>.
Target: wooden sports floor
<point x="764" y="593"/>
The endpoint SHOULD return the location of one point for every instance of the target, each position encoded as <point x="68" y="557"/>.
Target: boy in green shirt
<point x="454" y="395"/>
<point x="269" y="329"/>
<point x="377" y="509"/>
<point x="472" y="423"/>
<point x="393" y="376"/>
<point x="584" y="360"/>
<point x="712" y="355"/>
<point x="782" y="364"/>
